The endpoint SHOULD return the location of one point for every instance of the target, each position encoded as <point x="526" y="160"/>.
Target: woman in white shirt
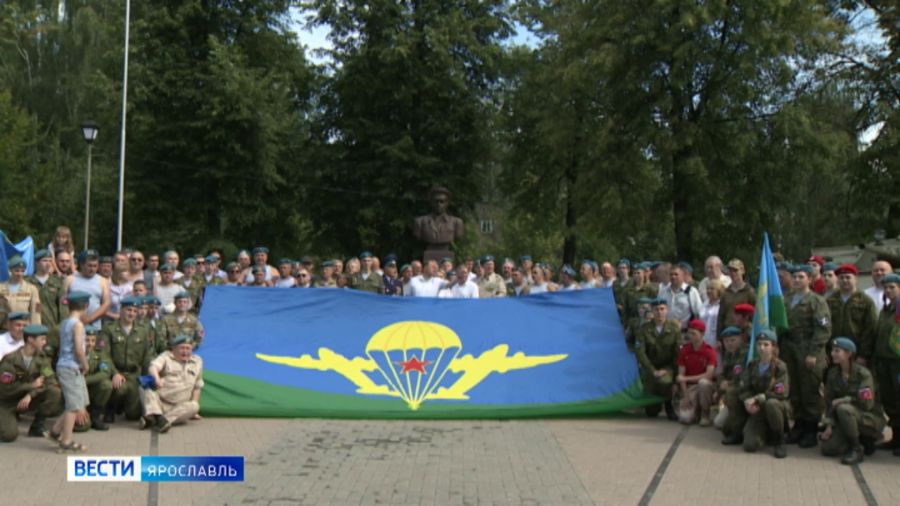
<point x="709" y="311"/>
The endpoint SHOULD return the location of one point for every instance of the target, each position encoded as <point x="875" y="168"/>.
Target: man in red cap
<point x="743" y="319"/>
<point x="853" y="313"/>
<point x="817" y="282"/>
<point x="696" y="370"/>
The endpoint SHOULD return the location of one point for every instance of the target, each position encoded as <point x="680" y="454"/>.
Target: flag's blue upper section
<point x="549" y="348"/>
<point x="24" y="249"/>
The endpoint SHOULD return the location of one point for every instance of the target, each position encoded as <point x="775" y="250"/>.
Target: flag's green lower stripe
<point x="777" y="313"/>
<point x="230" y="395"/>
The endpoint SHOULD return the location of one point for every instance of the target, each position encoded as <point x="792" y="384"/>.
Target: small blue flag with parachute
<point x="24" y="249"/>
<point x="350" y="354"/>
<point x="770" y="311"/>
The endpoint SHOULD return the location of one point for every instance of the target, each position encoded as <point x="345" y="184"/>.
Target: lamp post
<point x="89" y="130"/>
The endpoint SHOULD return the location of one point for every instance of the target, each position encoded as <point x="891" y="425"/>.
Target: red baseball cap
<point x="746" y="309"/>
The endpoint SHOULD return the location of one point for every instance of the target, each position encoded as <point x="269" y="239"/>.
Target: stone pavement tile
<point x="705" y="472"/>
<point x="882" y="474"/>
<point x="615" y="458"/>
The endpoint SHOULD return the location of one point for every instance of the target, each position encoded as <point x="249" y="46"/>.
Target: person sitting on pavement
<point x="27" y="382"/>
<point x="696" y="372"/>
<point x="177" y="379"/>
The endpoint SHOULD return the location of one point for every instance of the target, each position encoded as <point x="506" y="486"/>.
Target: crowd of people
<point x="96" y="337"/>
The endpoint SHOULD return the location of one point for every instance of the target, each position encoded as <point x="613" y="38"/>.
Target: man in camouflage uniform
<point x="887" y="358"/>
<point x="27" y="382"/>
<point x="853" y="313"/>
<point x="366" y="279"/>
<point x="50" y="289"/>
<point x="19" y="294"/>
<point x="639" y="288"/>
<point x="181" y="322"/>
<point x="192" y="282"/>
<point x="656" y="349"/>
<point x="764" y="393"/>
<point x="125" y="346"/>
<point x="490" y="284"/>
<point x="98" y="379"/>
<point x="803" y="350"/>
<point x="734" y="357"/>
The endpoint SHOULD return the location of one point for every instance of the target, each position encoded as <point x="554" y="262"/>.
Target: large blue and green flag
<point x="770" y="312"/>
<point x="343" y="353"/>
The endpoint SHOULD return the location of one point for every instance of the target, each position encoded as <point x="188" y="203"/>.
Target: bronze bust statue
<point x="438" y="229"/>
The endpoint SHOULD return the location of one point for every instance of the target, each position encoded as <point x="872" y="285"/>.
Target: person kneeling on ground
<point x="27" y="383"/>
<point x="656" y="349"/>
<point x="696" y="370"/>
<point x="854" y="419"/>
<point x="764" y="395"/>
<point x="174" y="396"/>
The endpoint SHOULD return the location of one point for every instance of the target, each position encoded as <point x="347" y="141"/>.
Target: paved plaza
<point x="623" y="459"/>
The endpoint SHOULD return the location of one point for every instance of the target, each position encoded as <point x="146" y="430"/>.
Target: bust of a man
<point x="438" y="229"/>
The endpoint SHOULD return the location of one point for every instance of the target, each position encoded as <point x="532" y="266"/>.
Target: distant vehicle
<point x="864" y="255"/>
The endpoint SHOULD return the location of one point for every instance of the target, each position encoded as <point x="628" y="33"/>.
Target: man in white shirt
<point x="713" y="269"/>
<point x="463" y="287"/>
<point x="426" y="284"/>
<point x="880" y="269"/>
<point x="684" y="300"/>
<point x="14" y="339"/>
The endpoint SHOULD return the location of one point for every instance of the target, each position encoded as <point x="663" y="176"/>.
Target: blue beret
<point x="232" y="265"/>
<point x="525" y="258"/>
<point x="189" y="261"/>
<point x="784" y="266"/>
<point x="152" y="299"/>
<point x="487" y="258"/>
<point x="166" y="268"/>
<point x="19" y="315"/>
<point x="803" y="268"/>
<point x="654" y="264"/>
<point x="567" y="269"/>
<point x="91" y="329"/>
<point x="659" y="301"/>
<point x="260" y="249"/>
<point x="587" y="261"/>
<point x="731" y="331"/>
<point x="328" y="263"/>
<point x="211" y="259"/>
<point x="829" y="266"/>
<point x="767" y="335"/>
<point x="182" y="295"/>
<point x="390" y="257"/>
<point x="365" y="254"/>
<point x="88" y="254"/>
<point x="404" y="267"/>
<point x="36" y="330"/>
<point x="106" y="260"/>
<point x="645" y="300"/>
<point x="131" y="301"/>
<point x="844" y="343"/>
<point x="624" y="261"/>
<point x="41" y="254"/>
<point x="16" y="261"/>
<point x="686" y="266"/>
<point x="257" y="268"/>
<point x="891" y="278"/>
<point x="78" y="296"/>
<point x="284" y="261"/>
<point x="180" y="339"/>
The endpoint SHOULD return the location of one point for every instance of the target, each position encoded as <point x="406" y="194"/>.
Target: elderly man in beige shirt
<point x="178" y="378"/>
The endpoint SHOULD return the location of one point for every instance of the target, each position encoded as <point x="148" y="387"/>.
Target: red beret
<point x="697" y="325"/>
<point x="744" y="309"/>
<point x="847" y="269"/>
<point x="817" y="259"/>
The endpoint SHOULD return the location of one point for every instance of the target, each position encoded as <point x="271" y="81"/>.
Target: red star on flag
<point x="414" y="364"/>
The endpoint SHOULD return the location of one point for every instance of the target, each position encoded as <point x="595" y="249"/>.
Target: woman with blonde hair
<point x="62" y="241"/>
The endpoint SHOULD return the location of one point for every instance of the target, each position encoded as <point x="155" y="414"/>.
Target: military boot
<point x="97" y="419"/>
<point x="37" y="428"/>
<point x="652" y="411"/>
<point x="733" y="439"/>
<point x="670" y="411"/>
<point x="110" y="415"/>
<point x="868" y="444"/>
<point x="854" y="455"/>
<point x="780" y="447"/>
<point x="795" y="434"/>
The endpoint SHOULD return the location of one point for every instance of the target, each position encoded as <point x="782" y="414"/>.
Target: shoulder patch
<point x="6" y="378"/>
<point x="865" y="394"/>
<point x="778" y="388"/>
<point x="737" y="370"/>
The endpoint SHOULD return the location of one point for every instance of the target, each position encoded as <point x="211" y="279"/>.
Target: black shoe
<point x="809" y="439"/>
<point x="37" y="428"/>
<point x="796" y="433"/>
<point x="110" y="415"/>
<point x="147" y="421"/>
<point x="896" y="452"/>
<point x="854" y="455"/>
<point x="162" y="425"/>
<point x="653" y="411"/>
<point x="734" y="439"/>
<point x="97" y="420"/>
<point x="780" y="448"/>
<point x="868" y="445"/>
<point x="670" y="411"/>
